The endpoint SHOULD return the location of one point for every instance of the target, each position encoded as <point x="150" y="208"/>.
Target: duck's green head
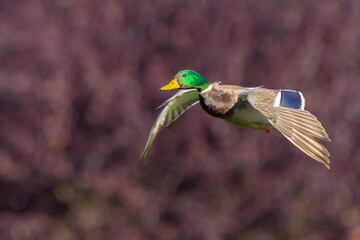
<point x="187" y="79"/>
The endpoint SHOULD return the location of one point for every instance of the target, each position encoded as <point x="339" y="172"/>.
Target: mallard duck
<point x="256" y="108"/>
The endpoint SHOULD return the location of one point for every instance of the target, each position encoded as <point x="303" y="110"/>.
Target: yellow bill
<point x="172" y="85"/>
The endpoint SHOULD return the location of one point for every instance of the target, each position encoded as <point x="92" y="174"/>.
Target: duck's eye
<point x="184" y="75"/>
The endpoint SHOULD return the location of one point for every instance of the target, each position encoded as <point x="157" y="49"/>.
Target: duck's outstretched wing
<point x="286" y="113"/>
<point x="174" y="107"/>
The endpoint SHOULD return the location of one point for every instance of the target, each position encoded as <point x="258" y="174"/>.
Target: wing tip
<point x="326" y="161"/>
<point x="143" y="157"/>
<point x="327" y="166"/>
<point x="322" y="158"/>
<point x="327" y="138"/>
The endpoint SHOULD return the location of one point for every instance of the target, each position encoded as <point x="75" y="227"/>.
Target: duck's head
<point x="187" y="79"/>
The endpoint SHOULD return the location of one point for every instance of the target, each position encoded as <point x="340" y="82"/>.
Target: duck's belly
<point x="246" y="116"/>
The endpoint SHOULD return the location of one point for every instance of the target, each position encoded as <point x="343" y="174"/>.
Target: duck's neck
<point x="203" y="87"/>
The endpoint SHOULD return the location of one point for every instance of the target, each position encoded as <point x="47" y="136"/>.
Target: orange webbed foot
<point x="268" y="131"/>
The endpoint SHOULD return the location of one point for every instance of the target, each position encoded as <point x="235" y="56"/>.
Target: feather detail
<point x="174" y="107"/>
<point x="292" y="99"/>
<point x="306" y="144"/>
<point x="299" y="126"/>
<point x="304" y="122"/>
<point x="302" y="129"/>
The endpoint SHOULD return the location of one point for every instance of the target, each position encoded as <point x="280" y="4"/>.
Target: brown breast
<point x="218" y="101"/>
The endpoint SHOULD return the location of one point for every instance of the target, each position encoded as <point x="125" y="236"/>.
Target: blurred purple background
<point x="79" y="86"/>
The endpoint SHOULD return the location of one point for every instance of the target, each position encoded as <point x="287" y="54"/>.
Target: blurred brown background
<point x="79" y="86"/>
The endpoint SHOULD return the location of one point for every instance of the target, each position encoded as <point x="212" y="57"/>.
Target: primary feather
<point x="174" y="107"/>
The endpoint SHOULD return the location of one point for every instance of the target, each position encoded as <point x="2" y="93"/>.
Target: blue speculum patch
<point x="291" y="99"/>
